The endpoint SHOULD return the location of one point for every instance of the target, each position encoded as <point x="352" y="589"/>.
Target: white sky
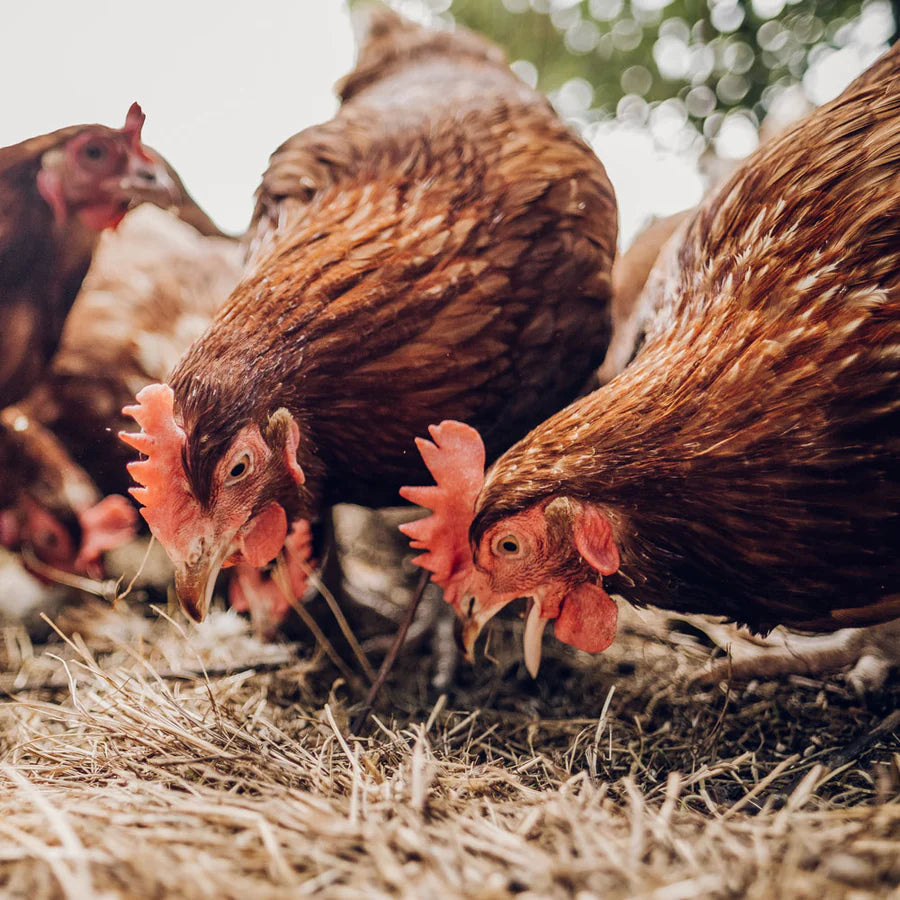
<point x="224" y="83"/>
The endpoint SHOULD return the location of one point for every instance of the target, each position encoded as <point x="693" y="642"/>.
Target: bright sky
<point x="223" y="84"/>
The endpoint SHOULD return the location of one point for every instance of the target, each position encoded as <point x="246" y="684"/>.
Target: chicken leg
<point x="869" y="653"/>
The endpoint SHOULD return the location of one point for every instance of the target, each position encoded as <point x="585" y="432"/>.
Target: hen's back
<point x="769" y="379"/>
<point x="449" y="216"/>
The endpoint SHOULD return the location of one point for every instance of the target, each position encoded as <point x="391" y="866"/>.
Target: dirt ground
<point x="144" y="757"/>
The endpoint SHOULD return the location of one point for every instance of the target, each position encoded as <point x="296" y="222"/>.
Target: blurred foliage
<point x="599" y="58"/>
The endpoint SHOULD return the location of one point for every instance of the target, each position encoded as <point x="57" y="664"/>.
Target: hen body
<point x="442" y="247"/>
<point x="455" y="257"/>
<point x="745" y="464"/>
<point x="757" y="438"/>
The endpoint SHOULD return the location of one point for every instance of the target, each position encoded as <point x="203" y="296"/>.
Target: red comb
<point x="163" y="489"/>
<point x="456" y="461"/>
<point x="134" y="122"/>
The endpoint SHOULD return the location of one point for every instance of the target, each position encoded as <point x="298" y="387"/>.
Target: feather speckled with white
<point x="748" y="458"/>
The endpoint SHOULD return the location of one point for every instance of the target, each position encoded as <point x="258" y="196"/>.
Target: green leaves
<point x="600" y="58"/>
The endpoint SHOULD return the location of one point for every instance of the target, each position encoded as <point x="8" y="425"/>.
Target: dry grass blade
<point x="244" y="783"/>
<point x="282" y="579"/>
<point x="343" y="624"/>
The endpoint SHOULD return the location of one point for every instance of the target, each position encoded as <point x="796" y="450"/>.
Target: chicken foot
<point x="377" y="585"/>
<point x="869" y="653"/>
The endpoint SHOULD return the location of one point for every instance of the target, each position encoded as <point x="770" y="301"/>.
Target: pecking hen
<point x="152" y="289"/>
<point x="441" y="248"/>
<point x="746" y="463"/>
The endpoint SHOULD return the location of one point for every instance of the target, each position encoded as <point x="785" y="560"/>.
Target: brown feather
<point x="442" y="248"/>
<point x="747" y="459"/>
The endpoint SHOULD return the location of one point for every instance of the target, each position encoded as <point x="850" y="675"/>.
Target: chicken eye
<point x="94" y="152"/>
<point x="507" y="545"/>
<point x="48" y="540"/>
<point x="240" y="469"/>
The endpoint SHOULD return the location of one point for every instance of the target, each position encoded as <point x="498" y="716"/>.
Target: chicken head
<point x="554" y="552"/>
<point x="96" y="175"/>
<point x="239" y="520"/>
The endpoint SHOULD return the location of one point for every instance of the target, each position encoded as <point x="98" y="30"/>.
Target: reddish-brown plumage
<point x="49" y="503"/>
<point x="747" y="461"/>
<point x="152" y="289"/>
<point x="442" y="248"/>
<point x="57" y="193"/>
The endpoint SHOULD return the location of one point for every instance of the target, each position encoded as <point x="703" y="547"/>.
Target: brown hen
<point x="441" y="248"/>
<point x="49" y="504"/>
<point x="57" y="193"/>
<point x="746" y="463"/>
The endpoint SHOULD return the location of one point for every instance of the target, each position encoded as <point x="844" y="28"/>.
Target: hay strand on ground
<point x="127" y="771"/>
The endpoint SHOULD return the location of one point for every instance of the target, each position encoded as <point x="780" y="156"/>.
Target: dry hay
<point x="125" y="771"/>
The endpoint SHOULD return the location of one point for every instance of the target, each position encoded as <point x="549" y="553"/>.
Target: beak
<point x="476" y="616"/>
<point x="148" y="181"/>
<point x="472" y="627"/>
<point x="194" y="582"/>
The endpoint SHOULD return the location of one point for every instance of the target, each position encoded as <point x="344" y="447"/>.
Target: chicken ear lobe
<point x="593" y="539"/>
<point x="587" y="619"/>
<point x="284" y="430"/>
<point x="50" y="187"/>
<point x="455" y="457"/>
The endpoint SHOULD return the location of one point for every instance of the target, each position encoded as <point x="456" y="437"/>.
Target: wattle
<point x="101" y="215"/>
<point x="264" y="536"/>
<point x="587" y="619"/>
